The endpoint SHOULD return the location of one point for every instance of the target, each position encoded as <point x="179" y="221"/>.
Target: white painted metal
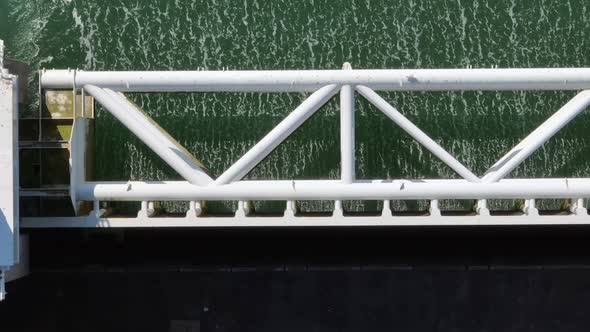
<point x="530" y="208"/>
<point x="244" y="209"/>
<point x="195" y="209"/>
<point x="284" y="190"/>
<point x="326" y="83"/>
<point x="416" y="133"/>
<point x="285" y="128"/>
<point x="311" y="80"/>
<point x="161" y="144"/>
<point x="482" y="207"/>
<point x="290" y="209"/>
<point x="386" y="212"/>
<point x="9" y="173"/>
<point x="538" y="137"/>
<point x="303" y="221"/>
<point x="347" y="152"/>
<point x="347" y="131"/>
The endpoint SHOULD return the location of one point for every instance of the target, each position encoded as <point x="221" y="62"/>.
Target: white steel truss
<point x="107" y="88"/>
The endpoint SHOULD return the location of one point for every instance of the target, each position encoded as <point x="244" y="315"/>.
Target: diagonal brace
<point x="416" y="133"/>
<point x="277" y="135"/>
<point x="151" y="134"/>
<point x="538" y="137"/>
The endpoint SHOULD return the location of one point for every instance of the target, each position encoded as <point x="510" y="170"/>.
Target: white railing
<point x="107" y="88"/>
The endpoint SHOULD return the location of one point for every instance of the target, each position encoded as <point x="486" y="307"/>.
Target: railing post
<point x="577" y="207"/>
<point x="244" y="209"/>
<point x="194" y="210"/>
<point x="530" y="208"/>
<point x="290" y="209"/>
<point x="147" y="209"/>
<point x="386" y="212"/>
<point x="482" y="208"/>
<point x="434" y="208"/>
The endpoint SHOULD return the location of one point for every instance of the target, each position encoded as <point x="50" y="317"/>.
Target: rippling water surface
<point x="477" y="127"/>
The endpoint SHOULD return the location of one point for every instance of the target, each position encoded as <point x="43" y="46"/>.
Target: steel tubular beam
<point x="347" y="129"/>
<point x="160" y="134"/>
<point x="542" y="134"/>
<point x="277" y="135"/>
<point x="416" y="133"/>
<point x="162" y="145"/>
<point x="347" y="162"/>
<point x="311" y="80"/>
<point x="336" y="190"/>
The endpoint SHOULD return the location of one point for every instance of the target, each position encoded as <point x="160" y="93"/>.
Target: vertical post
<point x="244" y="209"/>
<point x="482" y="208"/>
<point x="347" y="131"/>
<point x="577" y="207"/>
<point x="386" y="212"/>
<point x="290" y="209"/>
<point x="434" y="208"/>
<point x="147" y="209"/>
<point x="347" y="169"/>
<point x="530" y="208"/>
<point x="195" y="209"/>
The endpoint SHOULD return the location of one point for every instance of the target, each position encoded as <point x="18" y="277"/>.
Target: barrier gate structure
<point x="107" y="88"/>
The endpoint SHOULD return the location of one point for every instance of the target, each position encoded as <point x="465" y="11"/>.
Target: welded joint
<point x="482" y="208"/>
<point x="434" y="208"/>
<point x="195" y="209"/>
<point x="530" y="208"/>
<point x="290" y="209"/>
<point x="244" y="208"/>
<point x="577" y="207"/>
<point x="338" y="209"/>
<point x="147" y="209"/>
<point x="386" y="211"/>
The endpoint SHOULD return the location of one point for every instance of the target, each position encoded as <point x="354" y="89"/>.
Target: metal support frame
<point x="106" y="87"/>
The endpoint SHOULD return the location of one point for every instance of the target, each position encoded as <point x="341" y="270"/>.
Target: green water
<point x="477" y="127"/>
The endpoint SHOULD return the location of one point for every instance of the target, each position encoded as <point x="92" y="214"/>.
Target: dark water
<point x="477" y="127"/>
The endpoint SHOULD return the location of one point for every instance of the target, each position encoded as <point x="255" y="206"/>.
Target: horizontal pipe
<point x="538" y="137"/>
<point x="277" y="135"/>
<point x="416" y="133"/>
<point x="336" y="190"/>
<point x="311" y="80"/>
<point x="160" y="144"/>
